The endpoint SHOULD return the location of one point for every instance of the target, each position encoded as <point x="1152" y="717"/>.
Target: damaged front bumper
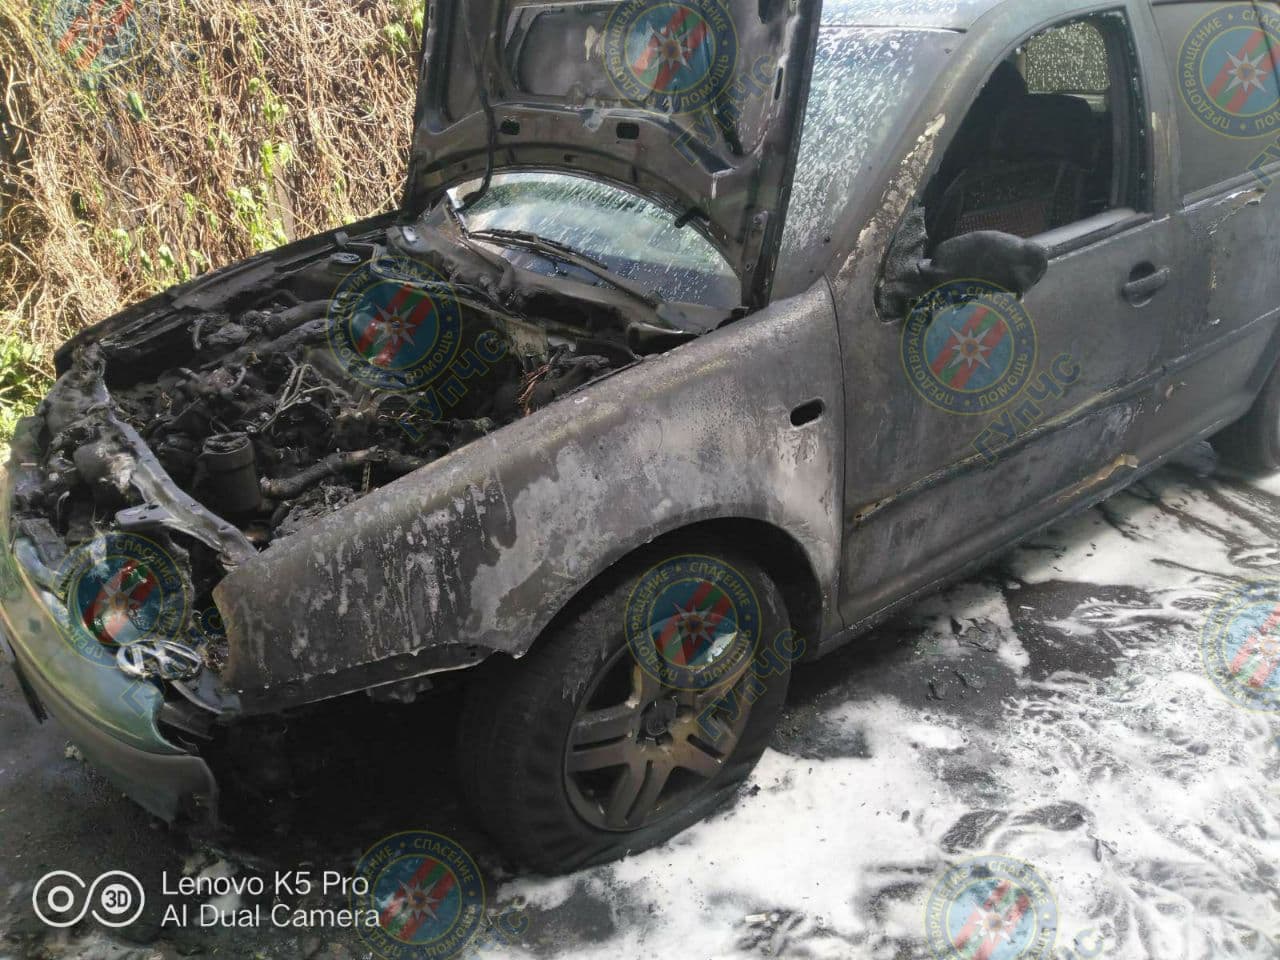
<point x="113" y="719"/>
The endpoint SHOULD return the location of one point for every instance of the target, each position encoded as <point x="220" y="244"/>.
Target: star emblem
<point x="1247" y="74"/>
<point x="397" y="329"/>
<point x="997" y="925"/>
<point x="418" y="901"/>
<point x="692" y="624"/>
<point x="117" y="601"/>
<point x="970" y="351"/>
<point x="670" y="48"/>
<point x="1267" y="646"/>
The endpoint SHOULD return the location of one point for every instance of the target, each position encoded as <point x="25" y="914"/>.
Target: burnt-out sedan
<point x="708" y="334"/>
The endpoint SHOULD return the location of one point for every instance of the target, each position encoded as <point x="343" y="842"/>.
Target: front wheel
<point x="647" y="702"/>
<point x="1252" y="443"/>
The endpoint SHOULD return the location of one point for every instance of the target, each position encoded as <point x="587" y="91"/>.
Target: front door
<point x="975" y="416"/>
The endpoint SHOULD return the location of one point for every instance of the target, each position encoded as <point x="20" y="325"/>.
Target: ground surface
<point x="1054" y="710"/>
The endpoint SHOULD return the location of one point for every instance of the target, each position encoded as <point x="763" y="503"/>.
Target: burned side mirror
<point x="1008" y="262"/>
<point x="1000" y="259"/>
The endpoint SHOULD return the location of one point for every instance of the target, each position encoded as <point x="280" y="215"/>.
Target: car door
<point x="1221" y="59"/>
<point x="973" y="416"/>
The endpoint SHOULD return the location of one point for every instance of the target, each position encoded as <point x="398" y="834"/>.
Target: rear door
<point x="1221" y="59"/>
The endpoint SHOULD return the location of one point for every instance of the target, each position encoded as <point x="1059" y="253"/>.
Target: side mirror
<point x="1001" y="259"/>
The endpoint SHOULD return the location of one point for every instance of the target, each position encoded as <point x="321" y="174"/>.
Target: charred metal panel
<point x="481" y="548"/>
<point x="1222" y="345"/>
<point x="975" y="507"/>
<point x="1234" y="246"/>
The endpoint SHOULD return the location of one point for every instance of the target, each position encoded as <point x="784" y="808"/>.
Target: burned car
<point x="709" y="334"/>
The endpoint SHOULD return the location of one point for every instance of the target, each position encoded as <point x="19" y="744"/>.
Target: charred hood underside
<point x="696" y="105"/>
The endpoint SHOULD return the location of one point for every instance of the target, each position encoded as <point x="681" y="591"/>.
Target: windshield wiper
<point x="664" y="318"/>
<point x="533" y="239"/>
<point x="565" y="253"/>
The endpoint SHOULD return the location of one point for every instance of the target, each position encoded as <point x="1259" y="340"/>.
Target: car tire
<point x="1252" y="444"/>
<point x="519" y="725"/>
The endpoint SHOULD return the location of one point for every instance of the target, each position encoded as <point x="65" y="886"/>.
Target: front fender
<point x="476" y="552"/>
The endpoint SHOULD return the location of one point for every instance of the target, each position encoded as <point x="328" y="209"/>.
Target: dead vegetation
<point x="146" y="141"/>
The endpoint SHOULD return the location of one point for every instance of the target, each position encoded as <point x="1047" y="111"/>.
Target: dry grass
<point x="189" y="135"/>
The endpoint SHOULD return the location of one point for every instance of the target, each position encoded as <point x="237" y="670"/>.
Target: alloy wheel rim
<point x="638" y="752"/>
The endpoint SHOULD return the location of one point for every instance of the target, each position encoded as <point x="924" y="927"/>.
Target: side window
<point x="1069" y="60"/>
<point x="1222" y="59"/>
<point x="1056" y="136"/>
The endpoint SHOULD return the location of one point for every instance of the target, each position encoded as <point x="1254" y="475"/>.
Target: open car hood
<point x="695" y="105"/>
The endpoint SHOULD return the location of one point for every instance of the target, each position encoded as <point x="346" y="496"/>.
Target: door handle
<point x="1145" y="281"/>
<point x="807" y="412"/>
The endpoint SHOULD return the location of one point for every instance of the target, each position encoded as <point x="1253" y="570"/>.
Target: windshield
<point x="633" y="237"/>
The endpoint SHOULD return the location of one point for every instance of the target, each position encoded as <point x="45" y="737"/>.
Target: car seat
<point x="1043" y="148"/>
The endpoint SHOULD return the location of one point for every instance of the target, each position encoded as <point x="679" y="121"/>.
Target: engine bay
<point x="229" y="418"/>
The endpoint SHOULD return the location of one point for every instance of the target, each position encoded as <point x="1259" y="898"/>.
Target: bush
<point x="144" y="142"/>
<point x="23" y="380"/>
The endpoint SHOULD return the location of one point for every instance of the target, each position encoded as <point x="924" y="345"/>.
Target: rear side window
<point x="1070" y="59"/>
<point x="1223" y="59"/>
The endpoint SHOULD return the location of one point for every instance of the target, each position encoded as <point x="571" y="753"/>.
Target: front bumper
<point x="109" y="716"/>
